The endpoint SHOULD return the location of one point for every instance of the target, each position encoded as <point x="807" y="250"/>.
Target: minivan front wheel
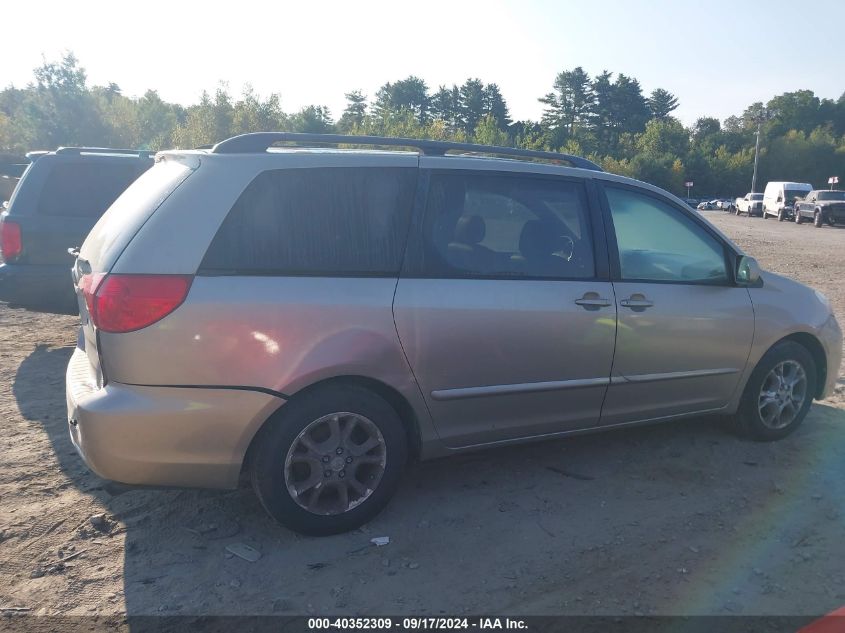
<point x="330" y="461"/>
<point x="778" y="394"/>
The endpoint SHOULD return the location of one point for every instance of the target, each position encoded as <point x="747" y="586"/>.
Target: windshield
<point x="791" y="195"/>
<point x="831" y="195"/>
<point x="756" y="196"/>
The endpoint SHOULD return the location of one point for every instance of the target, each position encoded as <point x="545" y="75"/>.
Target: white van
<point x="779" y="198"/>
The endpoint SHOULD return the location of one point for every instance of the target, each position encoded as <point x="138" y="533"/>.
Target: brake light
<point x="10" y="240"/>
<point x="88" y="285"/>
<point x="124" y="303"/>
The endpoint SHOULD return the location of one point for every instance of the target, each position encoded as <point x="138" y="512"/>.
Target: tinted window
<point x="317" y="221"/>
<point x="499" y="225"/>
<point x="85" y="189"/>
<point x="661" y="243"/>
<point x="831" y="195"/>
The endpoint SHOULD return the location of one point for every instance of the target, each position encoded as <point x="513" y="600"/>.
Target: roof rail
<point x="141" y="153"/>
<point x="261" y="141"/>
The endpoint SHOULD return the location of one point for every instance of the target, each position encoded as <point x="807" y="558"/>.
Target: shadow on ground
<point x="681" y="518"/>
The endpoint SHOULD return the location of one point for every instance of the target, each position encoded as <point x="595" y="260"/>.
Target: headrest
<point x="470" y="229"/>
<point x="536" y="240"/>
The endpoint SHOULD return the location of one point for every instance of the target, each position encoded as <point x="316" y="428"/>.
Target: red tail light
<point x="10" y="240"/>
<point x="124" y="303"/>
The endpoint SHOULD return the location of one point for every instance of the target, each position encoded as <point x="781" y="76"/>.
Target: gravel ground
<point x="676" y="519"/>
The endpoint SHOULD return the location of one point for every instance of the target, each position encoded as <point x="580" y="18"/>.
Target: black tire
<point x="781" y="215"/>
<point x="765" y="215"/>
<point x="267" y="467"/>
<point x="748" y="422"/>
<point x="817" y="220"/>
<point x="798" y="218"/>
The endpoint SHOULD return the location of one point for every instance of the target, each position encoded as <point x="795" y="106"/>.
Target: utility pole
<point x="756" y="156"/>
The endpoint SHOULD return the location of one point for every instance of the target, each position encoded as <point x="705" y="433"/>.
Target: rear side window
<point x="505" y="226"/>
<point x="85" y="189"/>
<point x="329" y="221"/>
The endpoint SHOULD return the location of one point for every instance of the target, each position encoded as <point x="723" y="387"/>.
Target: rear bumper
<point x="162" y="436"/>
<point x="39" y="287"/>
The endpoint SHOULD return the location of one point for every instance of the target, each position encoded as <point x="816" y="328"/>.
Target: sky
<point x="717" y="57"/>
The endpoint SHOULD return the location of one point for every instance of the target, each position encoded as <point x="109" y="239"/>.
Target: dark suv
<point x="60" y="197"/>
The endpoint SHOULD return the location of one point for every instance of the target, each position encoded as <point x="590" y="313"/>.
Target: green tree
<point x="630" y="109"/>
<point x="445" y="106"/>
<point x="355" y="111"/>
<point x="409" y="94"/>
<point x="251" y="113"/>
<point x="569" y="106"/>
<point x="661" y="103"/>
<point x="793" y="111"/>
<point x="666" y="136"/>
<point x="313" y="119"/>
<point x="489" y="132"/>
<point x="495" y="106"/>
<point x="603" y="122"/>
<point x="471" y="105"/>
<point x="60" y="110"/>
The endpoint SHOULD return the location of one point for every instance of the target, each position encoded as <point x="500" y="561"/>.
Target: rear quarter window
<point x="85" y="189"/>
<point x="324" y="221"/>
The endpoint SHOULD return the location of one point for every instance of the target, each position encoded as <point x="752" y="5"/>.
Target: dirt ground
<point x="676" y="519"/>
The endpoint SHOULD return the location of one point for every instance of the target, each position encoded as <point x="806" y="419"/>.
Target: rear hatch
<point x="60" y="198"/>
<point x="112" y="234"/>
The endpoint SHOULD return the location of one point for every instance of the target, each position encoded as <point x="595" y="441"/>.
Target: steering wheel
<point x="567" y="248"/>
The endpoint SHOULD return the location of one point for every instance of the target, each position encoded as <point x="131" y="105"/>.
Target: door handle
<point x="636" y="302"/>
<point x="592" y="300"/>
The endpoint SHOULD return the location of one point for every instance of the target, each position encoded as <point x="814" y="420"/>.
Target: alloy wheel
<point x="335" y="463"/>
<point x="782" y="394"/>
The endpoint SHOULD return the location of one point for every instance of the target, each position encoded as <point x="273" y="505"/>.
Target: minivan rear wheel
<point x="330" y="460"/>
<point x="778" y="394"/>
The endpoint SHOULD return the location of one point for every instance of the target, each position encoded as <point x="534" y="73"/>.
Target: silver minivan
<point x="318" y="317"/>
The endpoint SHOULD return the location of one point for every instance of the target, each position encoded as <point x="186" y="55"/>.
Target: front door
<point x="685" y="330"/>
<point x="501" y="310"/>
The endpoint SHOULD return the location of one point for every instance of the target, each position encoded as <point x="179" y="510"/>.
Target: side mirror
<point x="747" y="271"/>
<point x="780" y="199"/>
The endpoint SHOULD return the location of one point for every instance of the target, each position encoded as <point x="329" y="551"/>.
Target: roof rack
<point x="141" y="153"/>
<point x="261" y="141"/>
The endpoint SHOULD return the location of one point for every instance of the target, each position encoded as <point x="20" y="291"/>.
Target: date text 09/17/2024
<point x="417" y="623"/>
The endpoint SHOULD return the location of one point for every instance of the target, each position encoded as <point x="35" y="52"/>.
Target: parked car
<point x="779" y="198"/>
<point x="715" y="203"/>
<point x="693" y="202"/>
<point x="752" y="204"/>
<point x="320" y="317"/>
<point x="59" y="198"/>
<point x="821" y="206"/>
<point x="725" y="204"/>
